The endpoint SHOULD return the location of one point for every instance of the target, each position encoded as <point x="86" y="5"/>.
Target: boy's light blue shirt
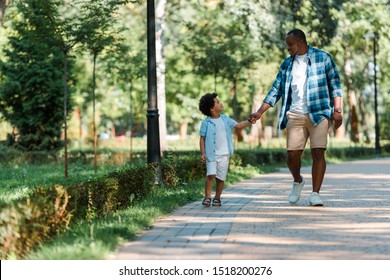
<point x="323" y="85"/>
<point x="208" y="130"/>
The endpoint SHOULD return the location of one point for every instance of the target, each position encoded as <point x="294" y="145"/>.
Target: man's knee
<point x="293" y="156"/>
<point x="318" y="154"/>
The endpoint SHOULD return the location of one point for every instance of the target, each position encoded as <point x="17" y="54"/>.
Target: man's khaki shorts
<point x="300" y="128"/>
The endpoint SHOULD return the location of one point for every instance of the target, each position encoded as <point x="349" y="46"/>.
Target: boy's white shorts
<point x="219" y="167"/>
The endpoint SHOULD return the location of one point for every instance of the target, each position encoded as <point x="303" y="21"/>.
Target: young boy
<point x="216" y="145"/>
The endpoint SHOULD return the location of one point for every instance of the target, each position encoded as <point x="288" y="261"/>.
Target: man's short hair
<point x="298" y="33"/>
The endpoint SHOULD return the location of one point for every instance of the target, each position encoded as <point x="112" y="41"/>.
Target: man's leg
<point x="297" y="135"/>
<point x="294" y="164"/>
<point x="318" y="143"/>
<point x="318" y="168"/>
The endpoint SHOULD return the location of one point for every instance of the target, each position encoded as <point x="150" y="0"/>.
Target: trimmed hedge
<point x="12" y="156"/>
<point x="279" y="156"/>
<point x="29" y="222"/>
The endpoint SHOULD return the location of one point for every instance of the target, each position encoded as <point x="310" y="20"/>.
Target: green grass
<point x="17" y="181"/>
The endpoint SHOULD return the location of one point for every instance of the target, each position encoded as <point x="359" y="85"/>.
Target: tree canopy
<point x="231" y="47"/>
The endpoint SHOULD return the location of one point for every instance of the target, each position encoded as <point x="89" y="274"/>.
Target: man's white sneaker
<point x="296" y="191"/>
<point x="315" y="199"/>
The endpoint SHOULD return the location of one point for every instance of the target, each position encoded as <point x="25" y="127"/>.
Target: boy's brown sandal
<point x="206" y="201"/>
<point x="216" y="202"/>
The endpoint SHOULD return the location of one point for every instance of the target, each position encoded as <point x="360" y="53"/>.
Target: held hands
<point x="254" y="117"/>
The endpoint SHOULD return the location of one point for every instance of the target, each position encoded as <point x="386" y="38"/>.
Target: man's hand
<point x="337" y="119"/>
<point x="254" y="117"/>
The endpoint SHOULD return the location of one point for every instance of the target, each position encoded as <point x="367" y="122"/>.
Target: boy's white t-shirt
<point x="298" y="85"/>
<point x="221" y="145"/>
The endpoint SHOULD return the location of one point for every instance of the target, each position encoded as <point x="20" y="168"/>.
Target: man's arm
<point x="338" y="115"/>
<point x="257" y="115"/>
<point x="334" y="86"/>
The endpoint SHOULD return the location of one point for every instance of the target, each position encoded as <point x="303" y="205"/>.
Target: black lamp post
<point x="374" y="36"/>
<point x="153" y="133"/>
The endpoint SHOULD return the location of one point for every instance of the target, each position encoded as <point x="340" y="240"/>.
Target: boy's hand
<point x="203" y="157"/>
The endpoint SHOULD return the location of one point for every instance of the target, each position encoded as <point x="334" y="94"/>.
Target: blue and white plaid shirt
<point x="323" y="85"/>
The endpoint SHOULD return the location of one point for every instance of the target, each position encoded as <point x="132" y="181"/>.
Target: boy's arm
<point x="243" y="124"/>
<point x="202" y="148"/>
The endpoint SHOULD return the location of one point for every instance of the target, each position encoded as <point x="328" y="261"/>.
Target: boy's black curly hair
<point x="206" y="102"/>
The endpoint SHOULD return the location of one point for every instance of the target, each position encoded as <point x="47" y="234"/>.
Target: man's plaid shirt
<point x="323" y="85"/>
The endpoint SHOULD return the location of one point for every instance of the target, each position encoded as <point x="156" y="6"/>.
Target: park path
<point x="257" y="222"/>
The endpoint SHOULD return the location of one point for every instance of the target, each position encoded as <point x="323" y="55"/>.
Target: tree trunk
<point x="239" y="133"/>
<point x="65" y="113"/>
<point x="160" y="22"/>
<point x="94" y="114"/>
<point x="363" y="119"/>
<point x="77" y="115"/>
<point x="352" y="102"/>
<point x="183" y="129"/>
<point x="256" y="134"/>
<point x="3" y="6"/>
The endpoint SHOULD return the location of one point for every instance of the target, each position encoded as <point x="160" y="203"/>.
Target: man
<point x="309" y="85"/>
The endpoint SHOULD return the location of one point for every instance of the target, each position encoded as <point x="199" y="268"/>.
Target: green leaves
<point x="31" y="70"/>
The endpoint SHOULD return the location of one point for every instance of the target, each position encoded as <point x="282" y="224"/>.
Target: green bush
<point x="181" y="170"/>
<point x="262" y="156"/>
<point x="32" y="221"/>
<point x="116" y="190"/>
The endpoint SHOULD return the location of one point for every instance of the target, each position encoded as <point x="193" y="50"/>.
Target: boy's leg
<point x="222" y="168"/>
<point x="208" y="185"/>
<point x="211" y="167"/>
<point x="219" y="188"/>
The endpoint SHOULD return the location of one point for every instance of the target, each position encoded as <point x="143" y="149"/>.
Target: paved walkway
<point x="257" y="222"/>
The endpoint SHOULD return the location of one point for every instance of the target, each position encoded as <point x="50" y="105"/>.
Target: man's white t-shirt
<point x="221" y="145"/>
<point x="298" y="85"/>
